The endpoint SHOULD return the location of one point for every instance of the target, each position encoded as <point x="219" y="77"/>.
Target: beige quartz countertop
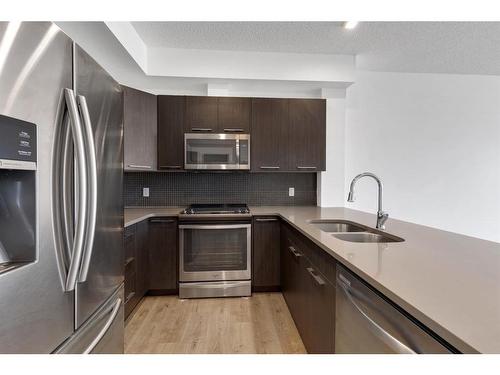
<point x="135" y="215"/>
<point x="449" y="282"/>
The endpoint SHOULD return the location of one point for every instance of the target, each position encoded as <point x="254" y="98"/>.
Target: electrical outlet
<point x="145" y="192"/>
<point x="291" y="192"/>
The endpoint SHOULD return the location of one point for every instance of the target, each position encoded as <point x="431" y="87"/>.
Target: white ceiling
<point x="420" y="47"/>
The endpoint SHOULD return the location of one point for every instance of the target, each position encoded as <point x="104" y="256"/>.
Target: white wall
<point x="331" y="182"/>
<point x="176" y="62"/>
<point x="435" y="142"/>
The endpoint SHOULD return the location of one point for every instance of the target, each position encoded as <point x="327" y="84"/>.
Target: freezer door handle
<point x="376" y="329"/>
<point x="92" y="187"/>
<point x="81" y="167"/>
<point x="105" y="328"/>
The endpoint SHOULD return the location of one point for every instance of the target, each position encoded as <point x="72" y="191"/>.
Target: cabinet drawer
<point x="321" y="260"/>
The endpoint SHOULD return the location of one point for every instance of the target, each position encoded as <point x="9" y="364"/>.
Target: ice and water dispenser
<point x="18" y="165"/>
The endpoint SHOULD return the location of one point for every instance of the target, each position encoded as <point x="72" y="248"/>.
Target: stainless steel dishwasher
<point x="366" y="323"/>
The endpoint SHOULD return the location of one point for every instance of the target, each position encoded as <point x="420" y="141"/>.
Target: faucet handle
<point x="381" y="219"/>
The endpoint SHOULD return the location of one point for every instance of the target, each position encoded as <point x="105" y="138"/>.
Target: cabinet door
<point x="292" y="281"/>
<point x="171" y="132"/>
<point x="162" y="272"/>
<point x="201" y="114"/>
<point x="319" y="336"/>
<point x="307" y="139"/>
<point x="142" y="257"/>
<point x="266" y="254"/>
<point x="139" y="119"/>
<point x="269" y="141"/>
<point x="131" y="297"/>
<point x="234" y="115"/>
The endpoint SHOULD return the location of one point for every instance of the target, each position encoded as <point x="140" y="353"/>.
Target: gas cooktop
<point x="237" y="208"/>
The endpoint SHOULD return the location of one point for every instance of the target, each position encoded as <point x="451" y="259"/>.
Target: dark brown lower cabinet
<point x="266" y="254"/>
<point x="150" y="260"/>
<point x="163" y="257"/>
<point x="136" y="262"/>
<point x="142" y="256"/>
<point x="320" y="312"/>
<point x="309" y="295"/>
<point x="130" y="270"/>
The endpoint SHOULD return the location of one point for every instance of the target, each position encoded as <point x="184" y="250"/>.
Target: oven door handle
<point x="215" y="227"/>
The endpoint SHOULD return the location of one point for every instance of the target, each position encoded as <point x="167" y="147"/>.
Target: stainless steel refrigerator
<point x="61" y="210"/>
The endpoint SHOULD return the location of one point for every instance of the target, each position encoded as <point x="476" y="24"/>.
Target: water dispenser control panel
<point x="17" y="144"/>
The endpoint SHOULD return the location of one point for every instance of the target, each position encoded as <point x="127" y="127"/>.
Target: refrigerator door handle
<point x="92" y="188"/>
<point x="81" y="167"/>
<point x="97" y="339"/>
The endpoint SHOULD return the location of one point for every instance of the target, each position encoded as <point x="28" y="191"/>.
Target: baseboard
<point x="162" y="292"/>
<point x="263" y="289"/>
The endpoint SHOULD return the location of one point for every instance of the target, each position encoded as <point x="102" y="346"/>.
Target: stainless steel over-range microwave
<point x="217" y="151"/>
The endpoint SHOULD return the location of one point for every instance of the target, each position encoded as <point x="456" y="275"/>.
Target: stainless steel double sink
<point x="353" y="232"/>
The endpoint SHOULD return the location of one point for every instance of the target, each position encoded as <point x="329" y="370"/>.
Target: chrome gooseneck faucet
<point x="381" y="215"/>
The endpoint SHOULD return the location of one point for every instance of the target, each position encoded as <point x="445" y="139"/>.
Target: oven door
<point x="217" y="151"/>
<point x="214" y="252"/>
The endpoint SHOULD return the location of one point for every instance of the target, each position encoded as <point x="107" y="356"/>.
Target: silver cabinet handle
<point x="376" y="329"/>
<point x="233" y="130"/>
<point x="171" y="166"/>
<point x="302" y="167"/>
<point x="114" y="313"/>
<point x="129" y="297"/>
<point x="319" y="280"/>
<point x="201" y="129"/>
<point x="266" y="220"/>
<point x="92" y="188"/>
<point x="269" y="167"/>
<point x="136" y="166"/>
<point x="76" y="129"/>
<point x="295" y="253"/>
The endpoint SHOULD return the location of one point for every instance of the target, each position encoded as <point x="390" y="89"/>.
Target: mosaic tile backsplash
<point x="255" y="189"/>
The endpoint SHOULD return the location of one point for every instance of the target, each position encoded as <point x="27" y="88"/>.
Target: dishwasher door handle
<point x="376" y="329"/>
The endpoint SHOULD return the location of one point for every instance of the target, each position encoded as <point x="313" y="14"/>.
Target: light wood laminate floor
<point x="257" y="324"/>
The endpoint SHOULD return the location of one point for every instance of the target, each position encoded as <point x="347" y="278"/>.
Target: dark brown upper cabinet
<point x="234" y="115"/>
<point x="269" y="135"/>
<point x="201" y="114"/>
<point x="171" y="111"/>
<point x="307" y="135"/>
<point x="140" y="127"/>
<point x="209" y="114"/>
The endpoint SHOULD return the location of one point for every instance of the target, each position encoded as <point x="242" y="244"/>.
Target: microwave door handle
<point x="376" y="329"/>
<point x="76" y="130"/>
<point x="92" y="188"/>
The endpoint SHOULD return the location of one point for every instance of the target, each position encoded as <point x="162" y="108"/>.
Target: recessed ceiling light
<point x="350" y="25"/>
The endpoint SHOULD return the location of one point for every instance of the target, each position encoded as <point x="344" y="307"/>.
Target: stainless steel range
<point x="215" y="251"/>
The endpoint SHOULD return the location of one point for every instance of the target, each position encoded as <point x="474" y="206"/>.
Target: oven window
<point x="215" y="250"/>
<point x="211" y="151"/>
